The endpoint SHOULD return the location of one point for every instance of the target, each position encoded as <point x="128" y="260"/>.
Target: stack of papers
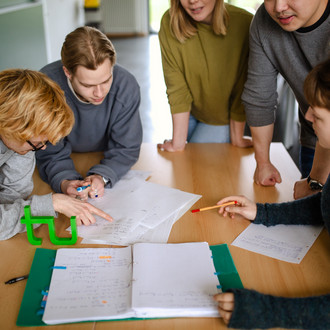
<point x="142" y="211"/>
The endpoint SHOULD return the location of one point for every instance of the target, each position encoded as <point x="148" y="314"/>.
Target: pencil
<point x="213" y="207"/>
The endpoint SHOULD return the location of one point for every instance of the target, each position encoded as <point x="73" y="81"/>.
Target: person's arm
<point x="320" y="171"/>
<point x="177" y="90"/>
<point x="249" y="309"/>
<point x="237" y="137"/>
<point x="125" y="137"/>
<point x="55" y="165"/>
<point x="180" y="132"/>
<point x="237" y="110"/>
<point x="260" y="97"/>
<point x="306" y="211"/>
<point x="11" y="212"/>
<point x="266" y="173"/>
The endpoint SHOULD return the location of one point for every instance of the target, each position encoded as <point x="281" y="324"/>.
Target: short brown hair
<point x="184" y="27"/>
<point x="31" y="104"/>
<point x="88" y="47"/>
<point x="317" y="85"/>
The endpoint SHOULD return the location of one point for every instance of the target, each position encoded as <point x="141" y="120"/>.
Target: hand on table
<point x="301" y="189"/>
<point x="83" y="211"/>
<point x="243" y="142"/>
<point x="226" y="303"/>
<point x="266" y="174"/>
<point x="243" y="207"/>
<point x="168" y="145"/>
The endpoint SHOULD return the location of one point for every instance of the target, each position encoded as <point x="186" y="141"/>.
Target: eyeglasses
<point x="39" y="146"/>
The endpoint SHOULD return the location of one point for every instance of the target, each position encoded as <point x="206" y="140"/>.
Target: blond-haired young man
<point x="105" y="99"/>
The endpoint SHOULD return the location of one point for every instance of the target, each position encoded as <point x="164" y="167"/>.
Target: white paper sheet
<point x="284" y="242"/>
<point x="142" y="212"/>
<point x="174" y="280"/>
<point x="85" y="289"/>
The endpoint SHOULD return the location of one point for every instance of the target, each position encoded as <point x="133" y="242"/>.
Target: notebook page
<point x="90" y="284"/>
<point x="173" y="280"/>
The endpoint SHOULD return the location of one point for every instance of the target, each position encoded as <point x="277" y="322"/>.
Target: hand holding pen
<point x="79" y="189"/>
<point x="242" y="206"/>
<point x="97" y="185"/>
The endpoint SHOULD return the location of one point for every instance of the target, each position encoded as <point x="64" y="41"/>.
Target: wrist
<point x="314" y="184"/>
<point x="178" y="145"/>
<point x="64" y="186"/>
<point x="105" y="180"/>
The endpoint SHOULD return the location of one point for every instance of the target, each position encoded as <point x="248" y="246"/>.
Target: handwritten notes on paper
<point x="142" y="212"/>
<point x="144" y="280"/>
<point x="90" y="285"/>
<point x="284" y="242"/>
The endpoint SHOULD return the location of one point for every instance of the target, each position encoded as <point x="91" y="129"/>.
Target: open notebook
<point x="144" y="280"/>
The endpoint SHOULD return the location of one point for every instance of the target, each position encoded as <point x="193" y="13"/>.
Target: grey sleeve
<point x="123" y="148"/>
<point x="11" y="213"/>
<point x="260" y="90"/>
<point x="55" y="165"/>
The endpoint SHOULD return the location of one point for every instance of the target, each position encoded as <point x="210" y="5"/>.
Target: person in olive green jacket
<point x="204" y="47"/>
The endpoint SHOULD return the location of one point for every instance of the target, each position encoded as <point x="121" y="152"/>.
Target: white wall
<point x="60" y="18"/>
<point x="125" y="16"/>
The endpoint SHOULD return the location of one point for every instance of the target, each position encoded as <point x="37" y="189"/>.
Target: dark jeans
<point x="306" y="157"/>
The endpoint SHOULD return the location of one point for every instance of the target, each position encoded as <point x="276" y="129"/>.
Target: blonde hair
<point x="88" y="47"/>
<point x="317" y="85"/>
<point x="32" y="105"/>
<point x="184" y="27"/>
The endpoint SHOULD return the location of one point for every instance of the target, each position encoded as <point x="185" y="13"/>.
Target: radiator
<point x="124" y="16"/>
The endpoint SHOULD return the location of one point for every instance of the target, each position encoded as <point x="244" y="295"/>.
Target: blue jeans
<point x="199" y="132"/>
<point x="306" y="157"/>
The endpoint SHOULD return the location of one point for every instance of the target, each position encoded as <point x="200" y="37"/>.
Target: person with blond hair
<point x="105" y="99"/>
<point x="247" y="309"/>
<point x="33" y="115"/>
<point x="204" y="47"/>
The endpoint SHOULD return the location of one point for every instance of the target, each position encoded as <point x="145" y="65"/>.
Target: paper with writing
<point x="284" y="242"/>
<point x="139" y="209"/>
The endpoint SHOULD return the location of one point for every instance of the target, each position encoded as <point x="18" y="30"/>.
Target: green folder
<point x="41" y="273"/>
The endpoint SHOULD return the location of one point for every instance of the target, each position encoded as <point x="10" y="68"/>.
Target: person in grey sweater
<point x="33" y="112"/>
<point x="105" y="99"/>
<point x="289" y="38"/>
<point x="246" y="309"/>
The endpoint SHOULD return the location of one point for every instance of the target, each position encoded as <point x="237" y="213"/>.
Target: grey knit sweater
<point x="113" y="127"/>
<point x="292" y="54"/>
<point x="16" y="185"/>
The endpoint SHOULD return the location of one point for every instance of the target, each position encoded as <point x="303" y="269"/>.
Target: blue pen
<point x="79" y="189"/>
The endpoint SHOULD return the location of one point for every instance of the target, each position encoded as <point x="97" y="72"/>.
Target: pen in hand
<point x="17" y="279"/>
<point x="79" y="189"/>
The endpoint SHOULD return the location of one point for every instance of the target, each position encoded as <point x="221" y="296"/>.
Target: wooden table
<point x="213" y="171"/>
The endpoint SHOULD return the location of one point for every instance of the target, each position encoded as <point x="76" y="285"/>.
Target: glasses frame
<point x="36" y="148"/>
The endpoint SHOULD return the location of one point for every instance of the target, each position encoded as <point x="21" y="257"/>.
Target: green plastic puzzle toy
<point x="29" y="221"/>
